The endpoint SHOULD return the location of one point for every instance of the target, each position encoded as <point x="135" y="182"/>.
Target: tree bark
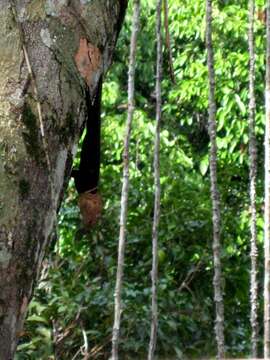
<point x="252" y="188"/>
<point x="125" y="186"/>
<point x="168" y="39"/>
<point x="267" y="194"/>
<point x="154" y="272"/>
<point x="50" y="53"/>
<point x="218" y="295"/>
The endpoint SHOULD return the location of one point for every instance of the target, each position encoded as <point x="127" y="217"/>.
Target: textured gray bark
<point x="50" y="51"/>
<point x="218" y="294"/>
<point x="267" y="195"/>
<point x="252" y="188"/>
<point x="154" y="272"/>
<point x="124" y="195"/>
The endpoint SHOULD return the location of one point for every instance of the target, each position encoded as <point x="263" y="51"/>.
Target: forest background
<point x="74" y="298"/>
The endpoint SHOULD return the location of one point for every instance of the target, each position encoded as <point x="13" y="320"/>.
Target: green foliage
<point x="75" y="293"/>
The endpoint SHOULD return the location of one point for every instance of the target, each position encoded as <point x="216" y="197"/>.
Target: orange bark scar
<point x="88" y="60"/>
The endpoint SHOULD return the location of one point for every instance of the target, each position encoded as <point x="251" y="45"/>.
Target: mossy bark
<point x="50" y="51"/>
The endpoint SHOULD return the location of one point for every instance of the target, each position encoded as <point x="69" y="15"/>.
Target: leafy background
<point x="75" y="293"/>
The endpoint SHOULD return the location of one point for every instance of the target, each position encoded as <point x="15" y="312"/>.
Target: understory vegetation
<point x="74" y="298"/>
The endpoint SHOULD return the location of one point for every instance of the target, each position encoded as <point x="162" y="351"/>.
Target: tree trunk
<point x="218" y="294"/>
<point x="125" y="185"/>
<point x="50" y="53"/>
<point x="267" y="195"/>
<point x="168" y="39"/>
<point x="252" y="188"/>
<point x="156" y="219"/>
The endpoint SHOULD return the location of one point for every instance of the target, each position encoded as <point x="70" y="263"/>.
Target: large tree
<point x="52" y="55"/>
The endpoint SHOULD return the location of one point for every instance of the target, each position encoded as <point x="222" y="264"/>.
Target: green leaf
<point x="240" y="104"/>
<point x="204" y="164"/>
<point x="36" y="318"/>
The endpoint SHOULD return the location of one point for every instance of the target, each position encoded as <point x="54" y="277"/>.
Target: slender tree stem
<point x="124" y="196"/>
<point x="252" y="187"/>
<point x="218" y="295"/>
<point x="168" y="40"/>
<point x="267" y="195"/>
<point x="154" y="272"/>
